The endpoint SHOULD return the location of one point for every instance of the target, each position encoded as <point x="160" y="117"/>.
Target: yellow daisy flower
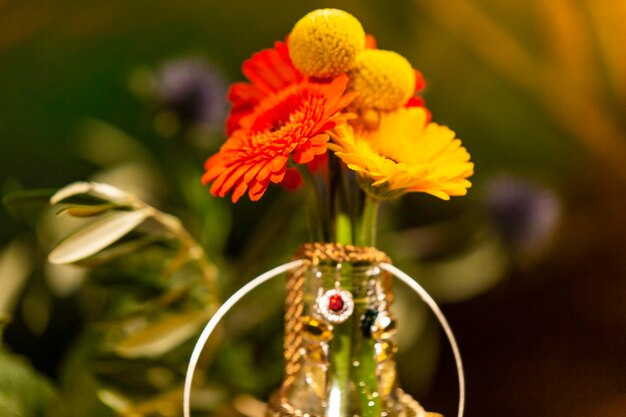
<point x="405" y="154"/>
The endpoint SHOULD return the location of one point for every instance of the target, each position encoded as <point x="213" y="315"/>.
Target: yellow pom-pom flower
<point x="326" y="42"/>
<point x="405" y="154"/>
<point x="385" y="80"/>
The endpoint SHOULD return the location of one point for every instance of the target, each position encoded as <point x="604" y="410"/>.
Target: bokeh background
<point x="529" y="268"/>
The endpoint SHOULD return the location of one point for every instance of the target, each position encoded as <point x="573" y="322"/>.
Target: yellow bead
<point x="385" y="350"/>
<point x="384" y="327"/>
<point x="316" y="330"/>
<point x="325" y="42"/>
<point x="315" y="376"/>
<point x="316" y="352"/>
<point x="384" y="80"/>
<point x="386" y="377"/>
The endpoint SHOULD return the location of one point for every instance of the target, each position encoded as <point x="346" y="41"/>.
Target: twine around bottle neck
<point x="316" y="253"/>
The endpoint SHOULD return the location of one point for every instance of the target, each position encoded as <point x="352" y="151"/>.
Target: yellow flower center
<point x="384" y="80"/>
<point x="325" y="42"/>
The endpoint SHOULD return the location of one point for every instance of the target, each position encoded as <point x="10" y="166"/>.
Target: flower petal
<point x="406" y="154"/>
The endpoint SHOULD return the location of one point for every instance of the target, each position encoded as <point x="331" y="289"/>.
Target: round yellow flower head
<point x="325" y="43"/>
<point x="384" y="80"/>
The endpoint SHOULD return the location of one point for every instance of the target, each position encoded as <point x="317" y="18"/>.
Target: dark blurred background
<point x="536" y="90"/>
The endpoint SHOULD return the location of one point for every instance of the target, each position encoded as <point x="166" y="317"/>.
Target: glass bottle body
<point x="348" y="347"/>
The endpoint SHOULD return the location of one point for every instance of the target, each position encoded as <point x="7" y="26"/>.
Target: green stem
<point x="343" y="229"/>
<point x="190" y="247"/>
<point x="367" y="231"/>
<point x="341" y="346"/>
<point x="352" y="356"/>
<point x="366" y="377"/>
<point x="319" y="213"/>
<point x="340" y="363"/>
<point x="365" y="372"/>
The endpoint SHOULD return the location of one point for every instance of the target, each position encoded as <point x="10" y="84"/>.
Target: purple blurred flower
<point x="193" y="90"/>
<point x="525" y="214"/>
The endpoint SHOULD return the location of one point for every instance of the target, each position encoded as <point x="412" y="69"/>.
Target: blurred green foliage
<point x="535" y="90"/>
<point x="22" y="391"/>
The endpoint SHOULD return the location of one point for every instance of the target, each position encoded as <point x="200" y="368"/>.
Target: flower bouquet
<point x="328" y="108"/>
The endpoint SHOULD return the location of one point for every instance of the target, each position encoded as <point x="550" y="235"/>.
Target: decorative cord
<point x="338" y="253"/>
<point x="294" y="306"/>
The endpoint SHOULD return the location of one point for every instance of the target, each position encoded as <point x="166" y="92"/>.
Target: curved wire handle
<point x="243" y="291"/>
<point x="217" y="317"/>
<point x="411" y="283"/>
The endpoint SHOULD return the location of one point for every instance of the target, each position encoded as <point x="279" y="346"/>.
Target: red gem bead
<point x="335" y="303"/>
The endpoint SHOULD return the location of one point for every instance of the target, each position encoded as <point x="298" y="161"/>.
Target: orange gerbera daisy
<point x="290" y="122"/>
<point x="269" y="71"/>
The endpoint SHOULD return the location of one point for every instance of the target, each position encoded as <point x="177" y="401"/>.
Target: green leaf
<point x="105" y="192"/>
<point x="87" y="211"/>
<point x="120" y="249"/>
<point x="163" y="335"/>
<point x="154" y="405"/>
<point x="96" y="236"/>
<point x="23" y="392"/>
<point x="115" y="400"/>
<point x="16" y="264"/>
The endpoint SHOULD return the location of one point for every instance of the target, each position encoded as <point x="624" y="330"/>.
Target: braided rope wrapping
<point x="313" y="254"/>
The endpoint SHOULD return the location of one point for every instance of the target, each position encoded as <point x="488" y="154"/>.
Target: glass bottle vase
<point x="342" y="339"/>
